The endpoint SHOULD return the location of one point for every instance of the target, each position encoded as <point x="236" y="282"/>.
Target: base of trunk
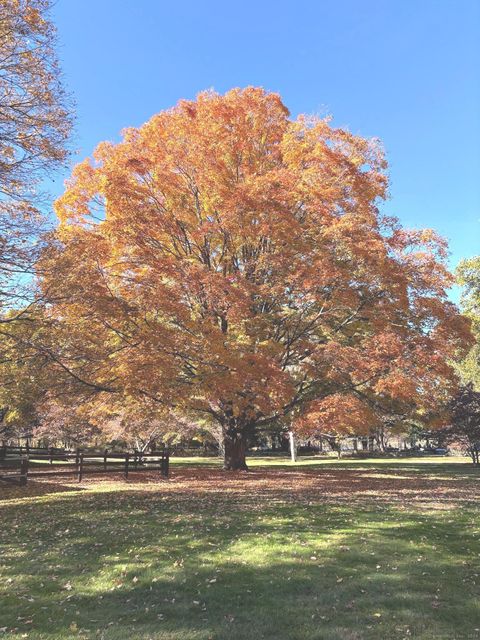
<point x="228" y="466"/>
<point x="235" y="446"/>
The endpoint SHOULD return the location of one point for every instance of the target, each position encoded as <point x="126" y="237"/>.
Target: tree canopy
<point x="464" y="427"/>
<point x="225" y="261"/>
<point x="468" y="276"/>
<point x="35" y="123"/>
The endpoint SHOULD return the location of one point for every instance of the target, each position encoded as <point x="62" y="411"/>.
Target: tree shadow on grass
<point x="333" y="484"/>
<point x="35" y="489"/>
<point x="143" y="565"/>
<point x="418" y="465"/>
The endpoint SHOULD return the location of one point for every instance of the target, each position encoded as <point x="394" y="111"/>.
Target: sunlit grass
<point x="284" y="460"/>
<point x="185" y="561"/>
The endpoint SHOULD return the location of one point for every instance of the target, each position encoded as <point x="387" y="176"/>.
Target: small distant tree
<point x="67" y="425"/>
<point x="140" y="425"/>
<point x="464" y="427"/>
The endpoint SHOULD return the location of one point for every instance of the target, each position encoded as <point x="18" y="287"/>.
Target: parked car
<point x="436" y="451"/>
<point x="440" y="451"/>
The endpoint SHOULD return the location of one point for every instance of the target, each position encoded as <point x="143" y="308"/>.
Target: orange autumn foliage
<point x="230" y="262"/>
<point x="343" y="414"/>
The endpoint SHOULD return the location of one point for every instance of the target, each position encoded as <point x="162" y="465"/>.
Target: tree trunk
<point x="293" y="446"/>
<point x="235" y="447"/>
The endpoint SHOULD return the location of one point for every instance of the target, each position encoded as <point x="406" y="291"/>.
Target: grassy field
<point x="325" y="549"/>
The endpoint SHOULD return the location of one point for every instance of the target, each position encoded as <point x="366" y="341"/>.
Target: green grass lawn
<point x="324" y="549"/>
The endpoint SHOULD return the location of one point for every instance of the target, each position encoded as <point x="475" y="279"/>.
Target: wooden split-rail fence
<point x="17" y="464"/>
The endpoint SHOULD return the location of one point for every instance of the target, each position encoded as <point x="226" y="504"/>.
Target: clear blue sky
<point x="406" y="71"/>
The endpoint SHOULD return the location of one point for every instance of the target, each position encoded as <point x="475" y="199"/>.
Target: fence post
<point x="105" y="459"/>
<point x="80" y="467"/>
<point x="51" y="455"/>
<point x="24" y="470"/>
<point x="77" y="460"/>
<point x="127" y="458"/>
<point x="165" y="462"/>
<point x="3" y="452"/>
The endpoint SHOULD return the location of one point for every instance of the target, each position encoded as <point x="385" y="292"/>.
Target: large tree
<point x="35" y="122"/>
<point x="229" y="262"/>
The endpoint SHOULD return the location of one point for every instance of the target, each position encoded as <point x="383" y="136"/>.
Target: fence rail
<point x="31" y="451"/>
<point x="42" y="462"/>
